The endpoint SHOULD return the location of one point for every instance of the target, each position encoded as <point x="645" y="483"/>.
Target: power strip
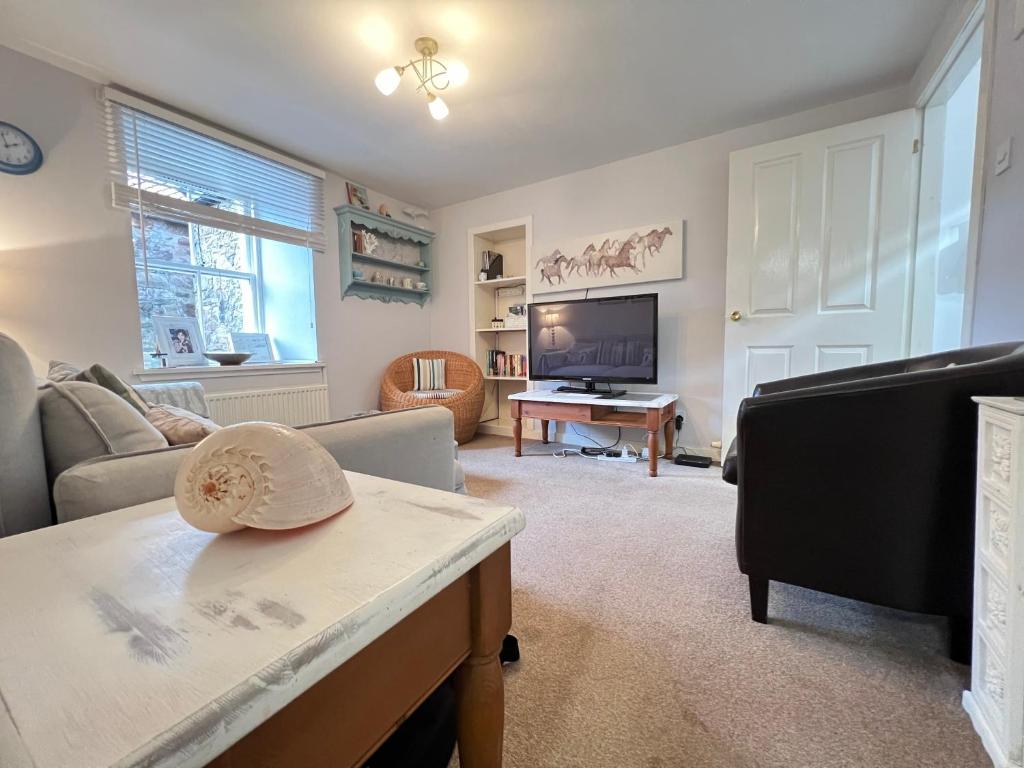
<point x="631" y="459"/>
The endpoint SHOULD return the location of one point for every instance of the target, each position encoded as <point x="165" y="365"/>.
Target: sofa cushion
<point x="180" y="426"/>
<point x="82" y="420"/>
<point x="434" y="394"/>
<point x="98" y="374"/>
<point x="61" y="371"/>
<point x="107" y="379"/>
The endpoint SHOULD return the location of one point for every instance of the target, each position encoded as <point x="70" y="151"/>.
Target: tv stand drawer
<point x="558" y="411"/>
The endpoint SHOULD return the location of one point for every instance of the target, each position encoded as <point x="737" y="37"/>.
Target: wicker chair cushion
<point x="434" y="394"/>
<point x="428" y="373"/>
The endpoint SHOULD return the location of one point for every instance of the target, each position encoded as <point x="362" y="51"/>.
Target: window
<point x="220" y="233"/>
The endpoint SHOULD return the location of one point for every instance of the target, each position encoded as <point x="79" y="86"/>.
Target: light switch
<point x="1003" y="152"/>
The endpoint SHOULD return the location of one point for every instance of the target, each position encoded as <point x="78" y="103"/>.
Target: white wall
<point x="67" y="281"/>
<point x="688" y="181"/>
<point x="999" y="280"/>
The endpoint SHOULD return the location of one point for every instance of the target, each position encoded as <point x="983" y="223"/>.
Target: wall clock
<point x="19" y="153"/>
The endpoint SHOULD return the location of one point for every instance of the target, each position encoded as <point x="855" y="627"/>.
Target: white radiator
<point x="293" y="406"/>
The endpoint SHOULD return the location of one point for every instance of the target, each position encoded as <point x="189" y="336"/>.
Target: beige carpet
<point x="638" y="649"/>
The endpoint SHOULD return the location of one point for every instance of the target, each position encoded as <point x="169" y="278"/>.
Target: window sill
<point x="188" y="372"/>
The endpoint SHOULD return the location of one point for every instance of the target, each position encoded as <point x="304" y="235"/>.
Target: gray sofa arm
<point x="415" y="445"/>
<point x="412" y="446"/>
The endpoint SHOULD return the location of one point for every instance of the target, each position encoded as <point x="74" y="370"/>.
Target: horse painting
<point x="620" y="257"/>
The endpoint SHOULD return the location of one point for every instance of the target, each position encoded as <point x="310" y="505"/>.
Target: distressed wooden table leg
<point x="517" y="426"/>
<point x="670" y="434"/>
<point x="544" y="431"/>
<point x="652" y="453"/>
<point x="480" y="690"/>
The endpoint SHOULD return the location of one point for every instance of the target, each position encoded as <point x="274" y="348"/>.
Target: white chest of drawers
<point x="996" y="699"/>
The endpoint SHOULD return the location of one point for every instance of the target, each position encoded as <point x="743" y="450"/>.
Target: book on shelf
<point x="500" y="363"/>
<point x="358" y="241"/>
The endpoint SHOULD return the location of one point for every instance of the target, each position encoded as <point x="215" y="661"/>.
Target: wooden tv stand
<point x="658" y="413"/>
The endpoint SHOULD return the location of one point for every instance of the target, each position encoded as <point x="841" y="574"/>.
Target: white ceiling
<point x="555" y="86"/>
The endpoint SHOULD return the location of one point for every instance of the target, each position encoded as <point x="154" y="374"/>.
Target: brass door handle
<point x="736" y="315"/>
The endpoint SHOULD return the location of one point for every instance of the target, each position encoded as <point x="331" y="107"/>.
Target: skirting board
<point x="505" y="430"/>
<point x="988" y="740"/>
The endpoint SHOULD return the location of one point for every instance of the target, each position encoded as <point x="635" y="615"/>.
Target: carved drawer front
<point x="989" y="684"/>
<point x="991" y="611"/>
<point x="995" y="532"/>
<point x="998" y="459"/>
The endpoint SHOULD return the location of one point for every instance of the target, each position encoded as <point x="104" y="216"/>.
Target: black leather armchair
<point x="860" y="482"/>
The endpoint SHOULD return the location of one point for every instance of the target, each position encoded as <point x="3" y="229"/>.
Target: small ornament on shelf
<point x="370" y="243"/>
<point x="497" y="322"/>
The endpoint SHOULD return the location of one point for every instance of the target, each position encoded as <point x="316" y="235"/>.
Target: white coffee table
<point x="132" y="639"/>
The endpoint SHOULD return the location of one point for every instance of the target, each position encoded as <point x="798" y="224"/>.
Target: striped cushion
<point x="427" y="374"/>
<point x="434" y="394"/>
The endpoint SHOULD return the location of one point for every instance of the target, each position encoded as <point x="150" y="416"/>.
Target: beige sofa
<point x="415" y="446"/>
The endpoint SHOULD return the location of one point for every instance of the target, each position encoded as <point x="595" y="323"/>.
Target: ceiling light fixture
<point x="432" y="74"/>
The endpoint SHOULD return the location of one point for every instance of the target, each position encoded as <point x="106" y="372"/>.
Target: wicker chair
<point x="459" y="373"/>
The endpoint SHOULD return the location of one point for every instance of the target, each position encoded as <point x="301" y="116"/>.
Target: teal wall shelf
<point x="351" y="217"/>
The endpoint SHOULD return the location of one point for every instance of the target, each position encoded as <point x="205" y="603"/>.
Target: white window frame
<point x="255" y="278"/>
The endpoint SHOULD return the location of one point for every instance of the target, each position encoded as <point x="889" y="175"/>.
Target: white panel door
<point x="819" y="256"/>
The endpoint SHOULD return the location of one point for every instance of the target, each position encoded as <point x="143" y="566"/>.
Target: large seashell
<point x="259" y="475"/>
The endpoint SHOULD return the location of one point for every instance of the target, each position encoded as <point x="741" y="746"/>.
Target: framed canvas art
<point x="636" y="255"/>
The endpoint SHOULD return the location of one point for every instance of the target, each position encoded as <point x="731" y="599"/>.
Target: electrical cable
<point x="588" y="437"/>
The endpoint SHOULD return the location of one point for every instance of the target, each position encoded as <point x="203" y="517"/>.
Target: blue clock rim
<point x="30" y="167"/>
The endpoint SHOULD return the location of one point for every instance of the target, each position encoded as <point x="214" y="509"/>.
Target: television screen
<point x="607" y="340"/>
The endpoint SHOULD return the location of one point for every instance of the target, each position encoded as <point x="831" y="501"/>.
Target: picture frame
<point x="179" y="339"/>
<point x="357" y="195"/>
<point x="641" y="254"/>
<point x="256" y="343"/>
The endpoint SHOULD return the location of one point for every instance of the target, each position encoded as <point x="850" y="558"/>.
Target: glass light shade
<point x="387" y="80"/>
<point x="458" y="73"/>
<point x="438" y="109"/>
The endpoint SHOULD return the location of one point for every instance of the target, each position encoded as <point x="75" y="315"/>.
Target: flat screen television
<point x="610" y="340"/>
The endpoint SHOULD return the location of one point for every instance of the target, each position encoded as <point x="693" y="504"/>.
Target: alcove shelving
<point x="491" y="299"/>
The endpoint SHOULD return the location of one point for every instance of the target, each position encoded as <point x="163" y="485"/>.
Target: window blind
<point x="162" y="167"/>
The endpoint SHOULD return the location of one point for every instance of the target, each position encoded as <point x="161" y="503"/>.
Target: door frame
<point x="974" y="15"/>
